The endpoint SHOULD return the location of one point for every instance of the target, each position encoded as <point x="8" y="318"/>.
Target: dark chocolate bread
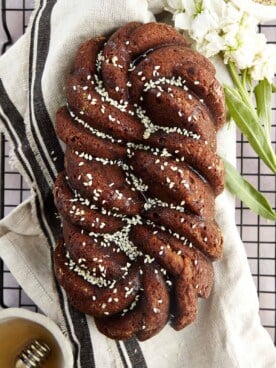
<point x="141" y="176"/>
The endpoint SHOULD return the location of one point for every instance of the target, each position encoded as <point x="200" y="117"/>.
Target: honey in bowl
<point x="17" y="333"/>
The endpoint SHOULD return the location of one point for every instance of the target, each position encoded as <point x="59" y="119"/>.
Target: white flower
<point x="182" y="11"/>
<point x="223" y="26"/>
<point x="243" y="57"/>
<point x="230" y="34"/>
<point x="242" y="42"/>
<point x="211" y="45"/>
<point x="203" y="23"/>
<point x="182" y="21"/>
<point x="230" y="15"/>
<point x="249" y="23"/>
<point x="192" y="7"/>
<point x="196" y="18"/>
<point x="264" y="64"/>
<point x="173" y="5"/>
<point x="262" y="12"/>
<point x="180" y="6"/>
<point x="216" y="6"/>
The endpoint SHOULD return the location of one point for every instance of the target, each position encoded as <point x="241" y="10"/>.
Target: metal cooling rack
<point x="259" y="236"/>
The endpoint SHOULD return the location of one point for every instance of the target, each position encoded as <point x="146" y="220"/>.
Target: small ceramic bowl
<point x="45" y="325"/>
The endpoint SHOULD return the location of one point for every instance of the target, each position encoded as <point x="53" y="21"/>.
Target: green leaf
<point x="247" y="120"/>
<point x="249" y="195"/>
<point x="263" y="94"/>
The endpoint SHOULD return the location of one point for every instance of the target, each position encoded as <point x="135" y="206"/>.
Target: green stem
<point x="239" y="84"/>
<point x="249" y="84"/>
<point x="244" y="78"/>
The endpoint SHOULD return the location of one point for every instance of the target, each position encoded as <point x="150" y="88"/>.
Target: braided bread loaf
<point x="141" y="175"/>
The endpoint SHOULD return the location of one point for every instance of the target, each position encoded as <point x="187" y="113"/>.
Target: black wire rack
<point x="259" y="236"/>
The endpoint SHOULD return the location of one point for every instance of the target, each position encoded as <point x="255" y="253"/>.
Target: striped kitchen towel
<point x="227" y="332"/>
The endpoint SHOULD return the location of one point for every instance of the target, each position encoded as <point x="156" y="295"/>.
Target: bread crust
<point x="137" y="196"/>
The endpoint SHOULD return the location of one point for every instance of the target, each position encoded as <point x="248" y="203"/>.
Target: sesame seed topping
<point x="119" y="241"/>
<point x="156" y="310"/>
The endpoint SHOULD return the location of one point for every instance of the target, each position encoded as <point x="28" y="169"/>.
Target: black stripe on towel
<point x="14" y="119"/>
<point x="16" y="130"/>
<point x="44" y="124"/>
<point x="41" y="124"/>
<point x="135" y="353"/>
<point x="82" y="332"/>
<point x="121" y="354"/>
<point x="16" y="124"/>
<point x="50" y="143"/>
<point x="16" y="153"/>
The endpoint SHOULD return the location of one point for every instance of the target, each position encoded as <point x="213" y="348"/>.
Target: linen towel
<point x="227" y="332"/>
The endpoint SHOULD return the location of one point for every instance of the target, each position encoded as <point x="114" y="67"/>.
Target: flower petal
<point x="182" y="21"/>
